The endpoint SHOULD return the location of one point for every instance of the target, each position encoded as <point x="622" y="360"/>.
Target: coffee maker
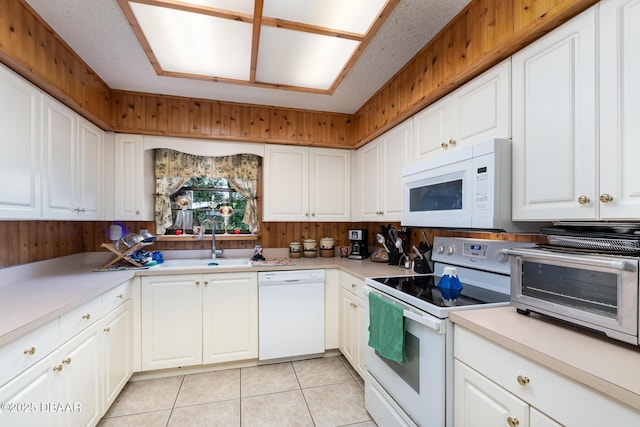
<point x="359" y="245"/>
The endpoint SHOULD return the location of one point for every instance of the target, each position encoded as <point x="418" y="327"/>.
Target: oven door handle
<point x="587" y="260"/>
<point x="431" y="323"/>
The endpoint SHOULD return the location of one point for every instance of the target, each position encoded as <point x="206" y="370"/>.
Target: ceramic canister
<point x="326" y="243"/>
<point x="295" y="247"/>
<point x="310" y="245"/>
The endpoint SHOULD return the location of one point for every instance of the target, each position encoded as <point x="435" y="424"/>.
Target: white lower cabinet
<point x="332" y="309"/>
<point x="496" y="387"/>
<point x="194" y="319"/>
<point x="74" y="383"/>
<point x="352" y="322"/>
<point x="117" y="349"/>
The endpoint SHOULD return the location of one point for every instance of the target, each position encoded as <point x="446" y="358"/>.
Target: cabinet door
<point x="371" y="181"/>
<point x="171" y="321"/>
<point x="230" y="317"/>
<point x="554" y="124"/>
<point x="286" y="183"/>
<point x="90" y="170"/>
<point x="331" y="309"/>
<point x="130" y="183"/>
<point x="59" y="127"/>
<point x="396" y="151"/>
<point x="538" y="419"/>
<point x="330" y="184"/>
<point x="26" y="393"/>
<point x="117" y="347"/>
<point x="79" y="379"/>
<point x="483" y="106"/>
<point x="432" y="131"/>
<point x="619" y="110"/>
<point x="359" y="334"/>
<point x="348" y="326"/>
<point x="478" y="402"/>
<point x="20" y="167"/>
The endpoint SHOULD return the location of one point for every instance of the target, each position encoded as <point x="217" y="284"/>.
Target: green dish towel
<point x="386" y="328"/>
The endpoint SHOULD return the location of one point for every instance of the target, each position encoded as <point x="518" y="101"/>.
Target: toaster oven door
<point x="596" y="291"/>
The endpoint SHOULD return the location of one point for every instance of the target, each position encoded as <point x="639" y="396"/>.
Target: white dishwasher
<point x="291" y="315"/>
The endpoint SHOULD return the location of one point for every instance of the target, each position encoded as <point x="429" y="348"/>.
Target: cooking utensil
<point x="426" y="241"/>
<point x="417" y="252"/>
<point x="399" y="245"/>
<point x="380" y="239"/>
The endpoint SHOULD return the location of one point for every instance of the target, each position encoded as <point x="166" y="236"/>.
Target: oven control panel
<point x="481" y="254"/>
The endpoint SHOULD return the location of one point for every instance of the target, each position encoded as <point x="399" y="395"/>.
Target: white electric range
<point x="419" y="392"/>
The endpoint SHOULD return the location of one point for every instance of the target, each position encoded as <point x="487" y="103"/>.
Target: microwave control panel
<point x="482" y="186"/>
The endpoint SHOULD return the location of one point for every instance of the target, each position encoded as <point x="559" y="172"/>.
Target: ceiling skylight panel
<point x="294" y="58"/>
<point x="191" y="43"/>
<point x="353" y="16"/>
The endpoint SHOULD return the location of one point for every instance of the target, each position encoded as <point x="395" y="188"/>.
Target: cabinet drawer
<point x="25" y="351"/>
<point x="539" y="386"/>
<point x="78" y="319"/>
<point x="116" y="296"/>
<point x="353" y="284"/>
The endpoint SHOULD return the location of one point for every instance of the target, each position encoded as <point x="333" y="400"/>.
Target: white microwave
<point x="469" y="187"/>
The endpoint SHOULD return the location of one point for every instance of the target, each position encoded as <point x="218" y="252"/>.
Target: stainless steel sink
<point x="206" y="262"/>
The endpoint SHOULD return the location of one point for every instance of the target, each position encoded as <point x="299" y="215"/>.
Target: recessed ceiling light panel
<point x="295" y="58"/>
<point x="192" y="43"/>
<point x="353" y="16"/>
<point x="241" y="6"/>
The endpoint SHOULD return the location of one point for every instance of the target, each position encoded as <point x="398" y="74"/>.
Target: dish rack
<point x="120" y="256"/>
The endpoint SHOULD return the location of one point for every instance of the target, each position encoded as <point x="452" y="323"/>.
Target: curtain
<point x="174" y="168"/>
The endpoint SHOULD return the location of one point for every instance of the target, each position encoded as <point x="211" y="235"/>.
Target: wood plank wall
<point x="484" y="33"/>
<point x="31" y="48"/>
<point x="197" y="118"/>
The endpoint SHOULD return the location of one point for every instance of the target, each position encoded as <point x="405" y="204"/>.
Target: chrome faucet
<point x="214" y="252"/>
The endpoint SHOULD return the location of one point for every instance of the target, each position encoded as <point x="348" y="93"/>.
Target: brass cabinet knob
<point x="107" y="329"/>
<point x="353" y="285"/>
<point x="444" y="145"/>
<point x="583" y="200"/>
<point x="606" y="198"/>
<point x="513" y="422"/>
<point x="522" y="380"/>
<point x="197" y="283"/>
<point x="119" y="296"/>
<point x="57" y="368"/>
<point x="67" y="361"/>
<point x="353" y="304"/>
<point x="30" y="350"/>
<point x="86" y="316"/>
<point x="206" y="282"/>
<point x="452" y="142"/>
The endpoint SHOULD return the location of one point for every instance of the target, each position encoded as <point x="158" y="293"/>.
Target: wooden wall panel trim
<point x="30" y="47"/>
<point x="152" y="114"/>
<point x="484" y="33"/>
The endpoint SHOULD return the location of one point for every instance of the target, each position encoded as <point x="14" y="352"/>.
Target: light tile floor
<point x="323" y="392"/>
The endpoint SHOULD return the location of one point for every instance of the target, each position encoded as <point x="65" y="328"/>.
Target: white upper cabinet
<point x="380" y="163"/>
<point x="575" y="128"/>
<point x="306" y="184"/>
<point x="73" y="164"/>
<point x="619" y="110"/>
<point x="478" y="111"/>
<point x="133" y="179"/>
<point x="554" y="124"/>
<point x="20" y="165"/>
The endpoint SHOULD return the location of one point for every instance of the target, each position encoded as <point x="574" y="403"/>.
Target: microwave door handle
<point x="613" y="264"/>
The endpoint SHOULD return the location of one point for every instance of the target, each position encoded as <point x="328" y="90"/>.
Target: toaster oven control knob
<point x="450" y="250"/>
<point x="441" y="249"/>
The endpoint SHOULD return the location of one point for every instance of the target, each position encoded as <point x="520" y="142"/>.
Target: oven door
<point x="418" y="385"/>
<point x="599" y="292"/>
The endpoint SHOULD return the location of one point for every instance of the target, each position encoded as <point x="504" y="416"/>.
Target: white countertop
<point x="33" y="294"/>
<point x="609" y="366"/>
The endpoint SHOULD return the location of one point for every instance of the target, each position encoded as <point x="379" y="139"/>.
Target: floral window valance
<point x="174" y="168"/>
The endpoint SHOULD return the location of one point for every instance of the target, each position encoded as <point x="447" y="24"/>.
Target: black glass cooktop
<point x="424" y="287"/>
